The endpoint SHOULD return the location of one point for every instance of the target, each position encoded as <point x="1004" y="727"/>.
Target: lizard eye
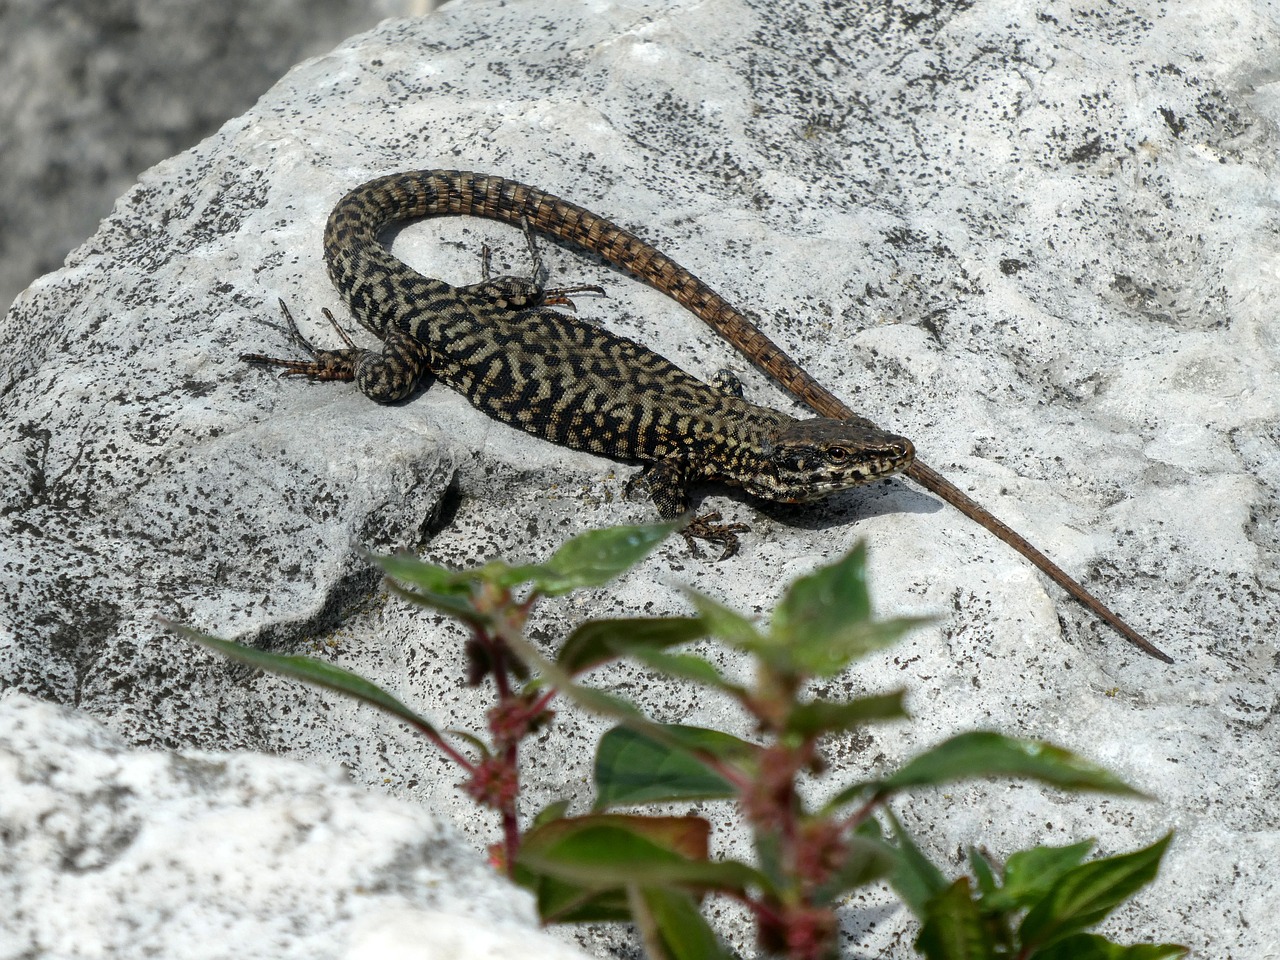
<point x="837" y="454"/>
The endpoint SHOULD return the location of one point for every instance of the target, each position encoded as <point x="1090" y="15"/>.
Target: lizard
<point x="501" y="345"/>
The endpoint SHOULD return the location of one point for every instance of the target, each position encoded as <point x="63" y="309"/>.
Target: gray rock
<point x="94" y="91"/>
<point x="1041" y="246"/>
<point x="112" y="851"/>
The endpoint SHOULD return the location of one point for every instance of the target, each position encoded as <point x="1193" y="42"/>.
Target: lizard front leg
<point x="667" y="483"/>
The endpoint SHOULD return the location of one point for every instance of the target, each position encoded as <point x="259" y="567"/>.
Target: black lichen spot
<point x="1089" y="150"/>
<point x="1171" y="118"/>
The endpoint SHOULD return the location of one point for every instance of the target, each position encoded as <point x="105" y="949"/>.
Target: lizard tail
<point x="363" y="213"/>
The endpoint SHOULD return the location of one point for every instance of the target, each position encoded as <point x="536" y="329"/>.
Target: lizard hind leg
<point x="557" y="296"/>
<point x="324" y="364"/>
<point x="508" y="292"/>
<point x="384" y="376"/>
<point x="390" y="374"/>
<point x="512" y="293"/>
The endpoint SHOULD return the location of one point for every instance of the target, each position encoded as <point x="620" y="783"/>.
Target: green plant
<point x="655" y="870"/>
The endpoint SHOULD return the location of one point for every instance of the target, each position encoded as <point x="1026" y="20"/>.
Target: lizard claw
<point x="560" y="296"/>
<point x="323" y="365"/>
<point x="707" y="527"/>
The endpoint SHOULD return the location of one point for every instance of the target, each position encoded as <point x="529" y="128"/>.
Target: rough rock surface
<point x="94" y="91"/>
<point x="119" y="852"/>
<point x="1042" y="244"/>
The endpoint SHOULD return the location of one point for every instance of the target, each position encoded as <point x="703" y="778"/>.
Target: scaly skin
<point x="558" y="378"/>
<point x="583" y="387"/>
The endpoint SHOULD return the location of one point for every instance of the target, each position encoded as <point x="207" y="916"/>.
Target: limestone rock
<point x="1041" y="245"/>
<point x="120" y="852"/>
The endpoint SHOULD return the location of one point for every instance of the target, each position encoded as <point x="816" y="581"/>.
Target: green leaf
<point x="826" y="716"/>
<point x="1086" y="894"/>
<point x="826" y="602"/>
<point x="915" y="878"/>
<point x="987" y="886"/>
<point x="824" y="623"/>
<point x="482" y="748"/>
<point x="552" y="811"/>
<point x="605" y="851"/>
<point x="605" y="704"/>
<point x="687" y="666"/>
<point x="566" y="899"/>
<point x="771" y="858"/>
<point x="685" y="837"/>
<point x="953" y="927"/>
<point x="562" y="902"/>
<point x="632" y="768"/>
<point x="1030" y="874"/>
<point x="984" y="754"/>
<point x="1090" y="946"/>
<point x="811" y="656"/>
<point x="729" y="625"/>
<point x="424" y="576"/>
<point x="794" y="652"/>
<point x="868" y="860"/>
<point x="315" y="672"/>
<point x="672" y="927"/>
<point x="587" y="560"/>
<point x="455" y="603"/>
<point x="599" y="641"/>
<point x="871" y="829"/>
<point x="596" y="557"/>
<point x="597" y="701"/>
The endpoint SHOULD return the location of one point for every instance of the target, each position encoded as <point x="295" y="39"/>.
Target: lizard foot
<point x="323" y="365"/>
<point x="523" y="293"/>
<point x="707" y="527"/>
<point x="559" y="297"/>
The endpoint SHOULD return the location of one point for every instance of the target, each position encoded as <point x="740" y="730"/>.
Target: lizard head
<point x="811" y="459"/>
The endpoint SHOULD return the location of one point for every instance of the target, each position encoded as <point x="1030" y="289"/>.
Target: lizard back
<point x="549" y="374"/>
<point x="367" y="275"/>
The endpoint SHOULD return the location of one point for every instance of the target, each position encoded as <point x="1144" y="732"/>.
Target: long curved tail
<point x="360" y="215"/>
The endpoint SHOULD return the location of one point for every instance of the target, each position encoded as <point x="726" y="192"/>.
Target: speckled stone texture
<point x="94" y="91"/>
<point x="1039" y="242"/>
<point x="119" y="852"/>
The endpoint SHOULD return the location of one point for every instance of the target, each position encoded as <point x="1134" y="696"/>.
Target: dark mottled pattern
<point x="583" y="387"/>
<point x="556" y="377"/>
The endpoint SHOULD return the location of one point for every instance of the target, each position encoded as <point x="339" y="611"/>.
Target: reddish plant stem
<point x="440" y="744"/>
